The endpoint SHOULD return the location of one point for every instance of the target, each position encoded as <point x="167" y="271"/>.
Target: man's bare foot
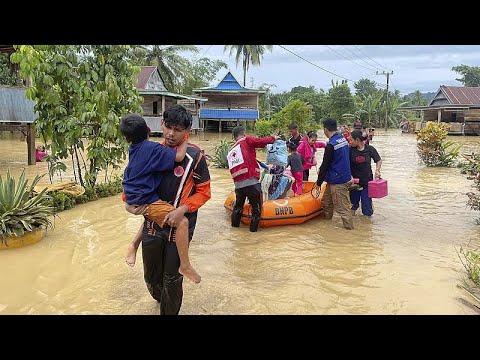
<point x="354" y="213"/>
<point x="131" y="255"/>
<point x="190" y="273"/>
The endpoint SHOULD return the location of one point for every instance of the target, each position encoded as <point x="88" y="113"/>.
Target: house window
<point x="155" y="108"/>
<point x="454" y="117"/>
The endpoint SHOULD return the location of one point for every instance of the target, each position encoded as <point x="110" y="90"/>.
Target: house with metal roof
<point x="228" y="103"/>
<point x="156" y="99"/>
<point x="16" y="111"/>
<point x="457" y="105"/>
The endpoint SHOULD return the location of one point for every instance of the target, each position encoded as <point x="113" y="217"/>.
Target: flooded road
<point x="400" y="261"/>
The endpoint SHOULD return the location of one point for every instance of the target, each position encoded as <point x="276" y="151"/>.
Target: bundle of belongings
<point x="67" y="187"/>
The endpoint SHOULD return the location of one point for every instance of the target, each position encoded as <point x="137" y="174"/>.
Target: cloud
<point x="415" y="67"/>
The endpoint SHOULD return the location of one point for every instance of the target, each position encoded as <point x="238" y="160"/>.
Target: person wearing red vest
<point x="245" y="172"/>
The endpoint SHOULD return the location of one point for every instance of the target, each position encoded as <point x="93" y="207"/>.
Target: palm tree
<point x="418" y="99"/>
<point x="172" y="66"/>
<point x="394" y="115"/>
<point x="249" y="54"/>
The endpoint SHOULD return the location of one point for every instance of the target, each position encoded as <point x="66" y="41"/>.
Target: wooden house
<point x="156" y="99"/>
<point x="457" y="105"/>
<point x="17" y="114"/>
<point x="228" y="103"/>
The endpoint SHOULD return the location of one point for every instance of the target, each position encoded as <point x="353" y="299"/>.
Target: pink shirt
<point x="39" y="155"/>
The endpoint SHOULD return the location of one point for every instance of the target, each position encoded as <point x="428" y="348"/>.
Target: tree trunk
<point x="244" y="70"/>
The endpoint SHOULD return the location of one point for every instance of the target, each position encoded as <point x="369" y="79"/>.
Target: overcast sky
<point x="415" y="67"/>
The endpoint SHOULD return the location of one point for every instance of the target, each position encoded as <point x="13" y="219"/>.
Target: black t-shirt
<point x="296" y="161"/>
<point x="360" y="163"/>
<point x="295" y="141"/>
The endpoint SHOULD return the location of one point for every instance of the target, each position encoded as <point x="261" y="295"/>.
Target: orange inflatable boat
<point x="289" y="211"/>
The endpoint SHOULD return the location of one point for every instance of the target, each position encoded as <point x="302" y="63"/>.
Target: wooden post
<point x="219" y="126"/>
<point x="439" y="115"/>
<point x="31" y="144"/>
<point x="163" y="109"/>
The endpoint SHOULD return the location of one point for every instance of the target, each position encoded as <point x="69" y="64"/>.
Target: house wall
<point x="472" y="115"/>
<point x="440" y="99"/>
<point x="192" y="105"/>
<point x="155" y="83"/>
<point x="233" y="101"/>
<point x="148" y="101"/>
<point x="147" y="105"/>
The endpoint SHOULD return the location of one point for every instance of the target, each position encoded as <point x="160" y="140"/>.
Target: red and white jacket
<point x="242" y="157"/>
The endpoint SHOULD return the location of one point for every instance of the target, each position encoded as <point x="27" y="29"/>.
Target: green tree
<point x="80" y="93"/>
<point x="279" y="101"/>
<point x="312" y="97"/>
<point x="470" y="75"/>
<point x="394" y="115"/>
<point x="249" y="54"/>
<point x="7" y="77"/>
<point x="264" y="104"/>
<point x="418" y="99"/>
<point x="373" y="107"/>
<point x="172" y="66"/>
<point x="296" y="112"/>
<point x="364" y="88"/>
<point x="339" y="101"/>
<point x="199" y="73"/>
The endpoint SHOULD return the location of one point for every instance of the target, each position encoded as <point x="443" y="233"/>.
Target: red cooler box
<point x="377" y="188"/>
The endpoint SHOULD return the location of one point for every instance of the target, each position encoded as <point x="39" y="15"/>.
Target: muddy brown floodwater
<point x="400" y="261"/>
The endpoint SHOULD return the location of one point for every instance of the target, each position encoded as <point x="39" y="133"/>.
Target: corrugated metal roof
<point x="144" y="75"/>
<point x="461" y="95"/>
<point x="228" y="84"/>
<point x="14" y="105"/>
<point x="229" y="114"/>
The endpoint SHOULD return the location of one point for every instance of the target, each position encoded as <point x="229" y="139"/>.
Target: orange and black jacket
<point x="188" y="184"/>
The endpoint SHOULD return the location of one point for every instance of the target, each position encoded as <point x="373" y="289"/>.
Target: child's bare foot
<point x="190" y="273"/>
<point x="131" y="255"/>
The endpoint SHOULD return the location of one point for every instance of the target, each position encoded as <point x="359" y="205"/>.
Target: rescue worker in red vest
<point x="245" y="172"/>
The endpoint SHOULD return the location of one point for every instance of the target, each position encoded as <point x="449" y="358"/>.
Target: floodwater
<point x="400" y="261"/>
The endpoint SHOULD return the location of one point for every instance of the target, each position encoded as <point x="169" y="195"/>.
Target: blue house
<point x="228" y="103"/>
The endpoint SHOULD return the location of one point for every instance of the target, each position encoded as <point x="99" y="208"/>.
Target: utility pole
<point x="386" y="103"/>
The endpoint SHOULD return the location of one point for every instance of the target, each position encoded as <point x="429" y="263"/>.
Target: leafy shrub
<point x="432" y="148"/>
<point x="264" y="128"/>
<point x="221" y="151"/>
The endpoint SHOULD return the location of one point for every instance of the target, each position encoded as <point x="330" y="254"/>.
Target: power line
<point x="370" y="58"/>
<point x="356" y="55"/>
<point x="353" y="81"/>
<point x="350" y="59"/>
<point x="291" y="52"/>
<point x="376" y="83"/>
